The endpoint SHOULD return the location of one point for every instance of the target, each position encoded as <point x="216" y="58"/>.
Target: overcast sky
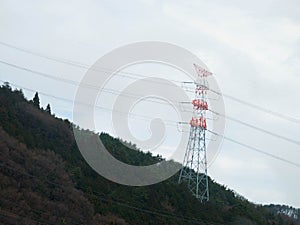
<point x="252" y="47"/>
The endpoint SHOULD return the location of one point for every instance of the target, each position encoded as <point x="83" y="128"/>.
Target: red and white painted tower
<point x="194" y="167"/>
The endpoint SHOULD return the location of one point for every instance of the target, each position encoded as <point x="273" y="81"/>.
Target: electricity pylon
<point x="194" y="167"/>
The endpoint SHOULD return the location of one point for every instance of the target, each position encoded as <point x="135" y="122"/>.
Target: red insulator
<point x="200" y="104"/>
<point x="200" y="122"/>
<point x="204" y="124"/>
<point x="192" y="121"/>
<point x="205" y="106"/>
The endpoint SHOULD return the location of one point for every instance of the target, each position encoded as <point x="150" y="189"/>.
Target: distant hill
<point x="285" y="210"/>
<point x="44" y="180"/>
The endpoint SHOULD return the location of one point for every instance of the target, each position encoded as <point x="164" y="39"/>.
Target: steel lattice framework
<point x="194" y="167"/>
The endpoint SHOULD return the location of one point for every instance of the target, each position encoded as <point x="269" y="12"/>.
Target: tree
<point x="7" y="86"/>
<point x="36" y="100"/>
<point x="48" y="109"/>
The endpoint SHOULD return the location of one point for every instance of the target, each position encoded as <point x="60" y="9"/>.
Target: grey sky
<point x="252" y="47"/>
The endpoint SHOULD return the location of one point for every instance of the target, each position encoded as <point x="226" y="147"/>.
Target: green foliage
<point x="44" y="147"/>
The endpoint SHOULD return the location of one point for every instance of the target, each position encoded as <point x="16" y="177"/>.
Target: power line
<point x="258" y="128"/>
<point x="257" y="149"/>
<point x="260" y="108"/>
<point x="141" y="117"/>
<point x="75" y="83"/>
<point x="111" y="91"/>
<point x="125" y="74"/>
<point x="130" y="95"/>
<point x="253" y="127"/>
<point x="82" y="65"/>
<point x="170" y="124"/>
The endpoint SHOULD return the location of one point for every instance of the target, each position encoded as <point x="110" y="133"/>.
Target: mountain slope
<point x="35" y="187"/>
<point x="44" y="178"/>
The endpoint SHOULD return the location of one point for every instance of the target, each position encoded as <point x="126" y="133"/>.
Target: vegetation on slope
<point x="44" y="178"/>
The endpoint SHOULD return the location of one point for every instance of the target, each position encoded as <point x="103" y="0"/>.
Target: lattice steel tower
<point x="194" y="167"/>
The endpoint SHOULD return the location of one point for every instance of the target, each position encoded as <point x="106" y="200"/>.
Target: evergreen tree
<point x="36" y="100"/>
<point x="48" y="109"/>
<point x="7" y="86"/>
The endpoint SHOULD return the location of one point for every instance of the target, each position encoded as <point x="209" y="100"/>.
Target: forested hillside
<point x="44" y="180"/>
